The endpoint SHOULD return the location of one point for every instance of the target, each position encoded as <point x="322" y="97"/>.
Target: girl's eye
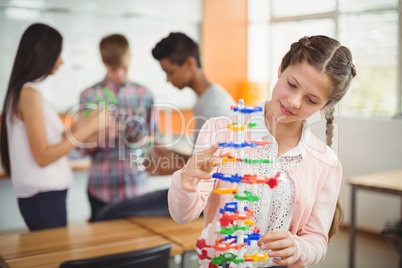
<point x="291" y="85"/>
<point x="311" y="100"/>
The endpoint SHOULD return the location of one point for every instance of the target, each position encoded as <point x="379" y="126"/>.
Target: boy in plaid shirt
<point x="113" y="177"/>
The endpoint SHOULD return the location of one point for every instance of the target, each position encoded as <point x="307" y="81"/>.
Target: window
<point x="373" y="39"/>
<point x="369" y="28"/>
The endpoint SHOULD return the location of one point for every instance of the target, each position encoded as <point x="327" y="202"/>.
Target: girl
<point x="33" y="147"/>
<point x="314" y="75"/>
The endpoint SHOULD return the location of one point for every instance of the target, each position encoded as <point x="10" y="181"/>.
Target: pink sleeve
<point x="187" y="206"/>
<point x="312" y="239"/>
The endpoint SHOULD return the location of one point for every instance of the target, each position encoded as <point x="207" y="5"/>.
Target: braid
<point x="338" y="216"/>
<point x="329" y="116"/>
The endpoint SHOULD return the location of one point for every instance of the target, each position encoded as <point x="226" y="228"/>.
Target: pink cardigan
<point x="317" y="180"/>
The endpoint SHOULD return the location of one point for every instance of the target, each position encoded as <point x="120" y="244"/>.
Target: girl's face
<point x="58" y="62"/>
<point x="301" y="91"/>
<point x="178" y="76"/>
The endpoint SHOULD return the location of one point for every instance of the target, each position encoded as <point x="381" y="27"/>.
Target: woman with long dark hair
<point x="33" y="146"/>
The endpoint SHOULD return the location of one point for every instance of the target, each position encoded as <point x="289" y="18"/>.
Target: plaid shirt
<point x="113" y="174"/>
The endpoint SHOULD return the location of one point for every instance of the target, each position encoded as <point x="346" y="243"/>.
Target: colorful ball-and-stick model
<point x="108" y="99"/>
<point x="235" y="225"/>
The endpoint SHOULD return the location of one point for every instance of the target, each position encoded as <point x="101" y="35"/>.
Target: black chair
<point x="393" y="234"/>
<point x="152" y="204"/>
<point x="156" y="257"/>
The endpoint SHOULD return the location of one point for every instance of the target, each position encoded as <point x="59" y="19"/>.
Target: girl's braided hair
<point x="329" y="57"/>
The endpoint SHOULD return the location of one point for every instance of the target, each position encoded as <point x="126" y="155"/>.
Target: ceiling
<point x="179" y="9"/>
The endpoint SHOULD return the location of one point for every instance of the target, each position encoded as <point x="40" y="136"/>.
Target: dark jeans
<point x="96" y="206"/>
<point x="44" y="210"/>
<point x="153" y="204"/>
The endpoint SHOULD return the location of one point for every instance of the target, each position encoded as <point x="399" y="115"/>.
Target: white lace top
<point x="274" y="209"/>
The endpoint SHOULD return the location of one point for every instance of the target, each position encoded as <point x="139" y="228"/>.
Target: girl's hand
<point x="98" y="120"/>
<point x="283" y="246"/>
<point x="198" y="168"/>
<point x="86" y="129"/>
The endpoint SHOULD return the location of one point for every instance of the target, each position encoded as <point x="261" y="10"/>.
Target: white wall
<point x="82" y="25"/>
<point x="367" y="146"/>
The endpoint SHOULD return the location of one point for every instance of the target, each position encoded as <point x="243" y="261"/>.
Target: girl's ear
<point x="279" y="70"/>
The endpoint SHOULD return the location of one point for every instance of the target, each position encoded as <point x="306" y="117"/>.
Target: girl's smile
<point x="285" y="110"/>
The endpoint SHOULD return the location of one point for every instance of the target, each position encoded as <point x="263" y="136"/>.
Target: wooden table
<point x="75" y="164"/>
<point x="48" y="248"/>
<point x="185" y="235"/>
<point x="386" y="182"/>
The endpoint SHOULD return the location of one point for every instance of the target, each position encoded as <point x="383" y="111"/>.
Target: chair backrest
<point x="156" y="257"/>
<point x="393" y="234"/>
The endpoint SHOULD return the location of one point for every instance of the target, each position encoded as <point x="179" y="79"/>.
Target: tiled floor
<point x="372" y="251"/>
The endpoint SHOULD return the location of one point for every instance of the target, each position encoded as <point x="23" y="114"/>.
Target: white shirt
<point x="27" y="177"/>
<point x="274" y="209"/>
